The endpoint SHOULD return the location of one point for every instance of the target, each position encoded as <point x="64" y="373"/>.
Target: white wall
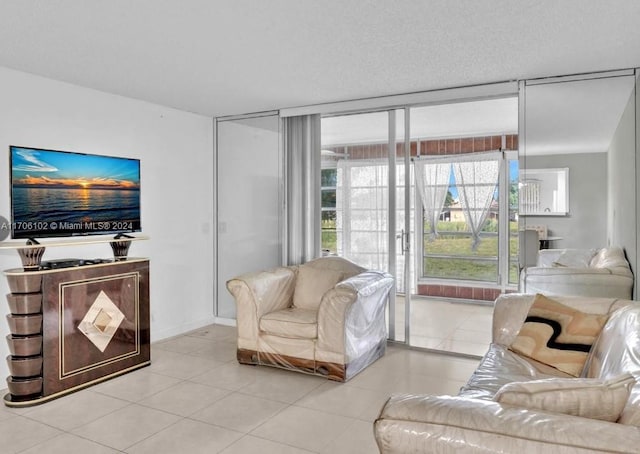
<point x="248" y="200"/>
<point x="586" y="225"/>
<point x="176" y="153"/>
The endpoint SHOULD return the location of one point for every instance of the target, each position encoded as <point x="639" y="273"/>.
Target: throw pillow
<point x="575" y="258"/>
<point x="586" y="397"/>
<point x="312" y="283"/>
<point x="558" y="335"/>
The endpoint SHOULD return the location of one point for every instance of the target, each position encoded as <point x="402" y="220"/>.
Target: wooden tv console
<point x="75" y="326"/>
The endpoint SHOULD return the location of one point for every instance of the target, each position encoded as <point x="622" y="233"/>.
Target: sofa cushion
<point x="611" y="257"/>
<point x="293" y="322"/>
<point x="558" y="335"/>
<point x="311" y="285"/>
<point x="500" y="366"/>
<point x="586" y="397"/>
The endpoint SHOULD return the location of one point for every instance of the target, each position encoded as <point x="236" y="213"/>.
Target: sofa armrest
<point x="257" y="294"/>
<point x="546" y="257"/>
<point x="437" y="423"/>
<point x="352" y="309"/>
<point x="509" y="312"/>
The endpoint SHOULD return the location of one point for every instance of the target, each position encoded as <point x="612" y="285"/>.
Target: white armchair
<point x="585" y="272"/>
<point x="325" y="317"/>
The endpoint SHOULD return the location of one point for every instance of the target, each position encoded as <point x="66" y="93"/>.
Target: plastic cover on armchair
<point x="325" y="317"/>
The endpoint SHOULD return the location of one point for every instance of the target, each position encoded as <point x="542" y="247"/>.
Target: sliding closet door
<point x="248" y="182"/>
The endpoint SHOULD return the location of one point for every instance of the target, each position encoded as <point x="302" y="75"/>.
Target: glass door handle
<point x="402" y="237"/>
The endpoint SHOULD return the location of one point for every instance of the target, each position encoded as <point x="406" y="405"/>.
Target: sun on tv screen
<point x="61" y="193"/>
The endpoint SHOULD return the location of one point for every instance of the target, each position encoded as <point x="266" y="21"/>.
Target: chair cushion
<point x="293" y="322"/>
<point x="586" y="397"/>
<point x="558" y="335"/>
<point x="312" y="283"/>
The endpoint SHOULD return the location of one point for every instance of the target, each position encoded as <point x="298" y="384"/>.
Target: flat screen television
<point x="62" y="193"/>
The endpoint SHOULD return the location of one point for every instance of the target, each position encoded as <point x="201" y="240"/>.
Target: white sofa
<point x="473" y="422"/>
<point x="325" y="317"/>
<point x="604" y="272"/>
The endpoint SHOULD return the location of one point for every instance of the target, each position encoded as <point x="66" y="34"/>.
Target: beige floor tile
<point x="239" y="412"/>
<point x="427" y="342"/>
<point x="431" y="364"/>
<point x="473" y="336"/>
<point x="196" y="376"/>
<point x="358" y="439"/>
<point x="136" y="385"/>
<point x="378" y="377"/>
<point x="468" y="348"/>
<point x="19" y="433"/>
<point x="232" y="376"/>
<point x="185" y="398"/>
<point x="303" y="428"/>
<point x="187" y="436"/>
<point x="283" y="385"/>
<point x="436" y="327"/>
<point x="218" y="333"/>
<point x="75" y="410"/>
<point x="69" y="444"/>
<point x="218" y="351"/>
<point x="421" y="384"/>
<point x="249" y="444"/>
<point x="180" y="365"/>
<point x="183" y="344"/>
<point x="350" y="401"/>
<point x="127" y="426"/>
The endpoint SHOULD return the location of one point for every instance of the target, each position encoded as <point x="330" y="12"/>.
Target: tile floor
<point x="195" y="398"/>
<point x="448" y="326"/>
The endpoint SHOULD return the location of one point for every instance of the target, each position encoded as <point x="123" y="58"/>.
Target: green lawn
<point x="480" y="264"/>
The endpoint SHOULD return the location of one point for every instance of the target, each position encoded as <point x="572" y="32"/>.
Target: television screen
<point x="60" y="193"/>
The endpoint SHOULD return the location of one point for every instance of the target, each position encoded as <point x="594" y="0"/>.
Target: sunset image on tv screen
<point x="62" y="193"/>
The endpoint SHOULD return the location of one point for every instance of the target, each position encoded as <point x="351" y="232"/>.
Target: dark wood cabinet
<point x="76" y="326"/>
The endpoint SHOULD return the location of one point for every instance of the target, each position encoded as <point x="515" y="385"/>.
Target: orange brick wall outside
<point x="431" y="148"/>
<point x="458" y="291"/>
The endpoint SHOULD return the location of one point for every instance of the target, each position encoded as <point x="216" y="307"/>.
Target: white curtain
<point x="476" y="181"/>
<point x="302" y="189"/>
<point x="432" y="181"/>
<point x="362" y="212"/>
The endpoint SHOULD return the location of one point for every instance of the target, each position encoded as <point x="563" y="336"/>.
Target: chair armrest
<point x="434" y="423"/>
<point x="257" y="294"/>
<point x="354" y="304"/>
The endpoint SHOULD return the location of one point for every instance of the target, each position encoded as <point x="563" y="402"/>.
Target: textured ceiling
<point x="222" y="57"/>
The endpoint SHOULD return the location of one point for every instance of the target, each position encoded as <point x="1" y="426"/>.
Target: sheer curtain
<point x="362" y="212"/>
<point x="302" y="189"/>
<point x="476" y="178"/>
<point x="432" y="181"/>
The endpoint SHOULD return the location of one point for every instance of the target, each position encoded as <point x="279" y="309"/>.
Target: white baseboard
<point x="225" y="321"/>
<point x="181" y="329"/>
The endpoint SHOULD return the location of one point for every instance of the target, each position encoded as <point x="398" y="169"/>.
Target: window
<point x="328" y="194"/>
<point x="452" y="250"/>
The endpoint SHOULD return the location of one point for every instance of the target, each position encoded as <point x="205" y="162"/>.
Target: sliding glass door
<point x="426" y="193"/>
<point x="363" y="208"/>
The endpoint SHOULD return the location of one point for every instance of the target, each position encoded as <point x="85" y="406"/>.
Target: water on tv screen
<point x="60" y="193"/>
